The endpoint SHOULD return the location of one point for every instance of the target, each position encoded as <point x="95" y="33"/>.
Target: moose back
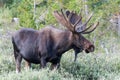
<point x="49" y="43"/>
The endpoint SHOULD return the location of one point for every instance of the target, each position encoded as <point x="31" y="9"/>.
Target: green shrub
<point x="25" y="13"/>
<point x="5" y="15"/>
<point x="103" y="64"/>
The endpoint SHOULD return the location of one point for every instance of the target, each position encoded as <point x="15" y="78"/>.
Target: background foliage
<point x="103" y="64"/>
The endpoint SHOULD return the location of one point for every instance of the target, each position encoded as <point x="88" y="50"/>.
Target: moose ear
<point x="67" y="13"/>
<point x="74" y="16"/>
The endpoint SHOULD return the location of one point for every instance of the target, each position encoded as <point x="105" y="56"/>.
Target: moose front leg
<point x="76" y="51"/>
<point x="76" y="54"/>
<point x="75" y="57"/>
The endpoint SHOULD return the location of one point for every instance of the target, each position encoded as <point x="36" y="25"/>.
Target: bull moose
<point x="49" y="43"/>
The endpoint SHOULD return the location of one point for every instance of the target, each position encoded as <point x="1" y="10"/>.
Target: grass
<point x="103" y="64"/>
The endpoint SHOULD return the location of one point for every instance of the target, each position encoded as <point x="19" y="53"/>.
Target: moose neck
<point x="65" y="43"/>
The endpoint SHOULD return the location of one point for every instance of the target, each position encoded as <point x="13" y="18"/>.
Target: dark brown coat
<point x="47" y="45"/>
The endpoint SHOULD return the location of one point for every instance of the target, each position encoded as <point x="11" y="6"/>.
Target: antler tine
<point x="79" y="19"/>
<point x="84" y="25"/>
<point x="85" y="29"/>
<point x="57" y="12"/>
<point x="90" y="16"/>
<point x="94" y="27"/>
<point x="68" y="25"/>
<point x="63" y="15"/>
<point x="63" y="20"/>
<point x="77" y="22"/>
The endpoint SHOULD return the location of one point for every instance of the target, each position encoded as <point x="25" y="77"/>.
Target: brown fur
<point x="46" y="45"/>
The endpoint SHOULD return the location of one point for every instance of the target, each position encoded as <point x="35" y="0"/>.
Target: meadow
<point x="102" y="64"/>
<point x="99" y="65"/>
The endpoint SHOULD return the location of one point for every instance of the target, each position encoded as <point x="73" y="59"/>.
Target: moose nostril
<point x="92" y="48"/>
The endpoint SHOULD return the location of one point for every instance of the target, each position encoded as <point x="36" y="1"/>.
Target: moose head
<point x="73" y="22"/>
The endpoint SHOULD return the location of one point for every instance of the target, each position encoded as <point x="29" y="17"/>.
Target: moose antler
<point x="71" y="20"/>
<point x="63" y="20"/>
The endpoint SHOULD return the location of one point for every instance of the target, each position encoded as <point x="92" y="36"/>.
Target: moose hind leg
<point x="27" y="65"/>
<point x="54" y="66"/>
<point x="55" y="63"/>
<point x="18" y="59"/>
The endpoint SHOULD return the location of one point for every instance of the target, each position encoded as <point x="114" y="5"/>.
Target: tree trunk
<point x="119" y="25"/>
<point x="85" y="8"/>
<point x="34" y="13"/>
